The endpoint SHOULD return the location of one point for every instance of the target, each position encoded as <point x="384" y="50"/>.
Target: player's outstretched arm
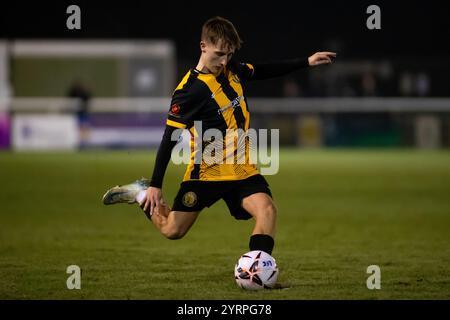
<point x="262" y="71"/>
<point x="319" y="58"/>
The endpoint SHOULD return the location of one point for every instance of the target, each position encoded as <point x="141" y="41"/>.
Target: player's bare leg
<point x="172" y="224"/>
<point x="262" y="208"/>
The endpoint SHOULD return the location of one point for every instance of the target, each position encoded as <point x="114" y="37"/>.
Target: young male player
<point x="213" y="93"/>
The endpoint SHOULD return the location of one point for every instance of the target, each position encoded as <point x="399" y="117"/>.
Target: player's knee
<point x="174" y="236"/>
<point x="271" y="211"/>
<point x="173" y="233"/>
<point x="267" y="211"/>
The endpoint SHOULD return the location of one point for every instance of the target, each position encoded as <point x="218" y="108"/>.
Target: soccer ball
<point x="256" y="270"/>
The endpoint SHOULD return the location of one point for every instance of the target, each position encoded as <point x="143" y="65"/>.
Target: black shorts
<point x="195" y="195"/>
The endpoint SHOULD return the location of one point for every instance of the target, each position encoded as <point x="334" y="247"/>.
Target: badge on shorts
<point x="189" y="199"/>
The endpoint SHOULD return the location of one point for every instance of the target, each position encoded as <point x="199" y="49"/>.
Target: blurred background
<point x="108" y="84"/>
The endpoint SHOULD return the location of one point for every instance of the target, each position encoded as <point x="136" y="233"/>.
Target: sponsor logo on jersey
<point x="175" y="110"/>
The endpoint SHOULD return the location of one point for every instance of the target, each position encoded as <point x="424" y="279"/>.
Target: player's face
<point x="215" y="56"/>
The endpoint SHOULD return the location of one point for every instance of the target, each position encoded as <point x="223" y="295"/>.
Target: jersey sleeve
<point x="163" y="156"/>
<point x="242" y="69"/>
<point x="278" y="68"/>
<point x="273" y="69"/>
<point x="184" y="106"/>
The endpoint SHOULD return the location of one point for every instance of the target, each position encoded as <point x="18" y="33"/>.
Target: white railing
<point x="257" y="105"/>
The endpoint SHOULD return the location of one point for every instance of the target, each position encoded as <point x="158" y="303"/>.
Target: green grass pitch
<point x="339" y="212"/>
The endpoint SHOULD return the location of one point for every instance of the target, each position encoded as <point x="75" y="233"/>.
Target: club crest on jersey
<point x="189" y="199"/>
<point x="175" y="110"/>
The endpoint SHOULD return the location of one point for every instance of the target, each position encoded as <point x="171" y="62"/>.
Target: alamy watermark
<point x="374" y="20"/>
<point x="74" y="280"/>
<point x="374" y="280"/>
<point x="74" y="20"/>
<point x="231" y="146"/>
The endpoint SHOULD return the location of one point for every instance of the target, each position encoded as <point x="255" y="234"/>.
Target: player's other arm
<point x="154" y="192"/>
<point x="184" y="108"/>
<point x="261" y="71"/>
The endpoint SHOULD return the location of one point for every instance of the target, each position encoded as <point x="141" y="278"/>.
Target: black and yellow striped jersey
<point x="218" y="101"/>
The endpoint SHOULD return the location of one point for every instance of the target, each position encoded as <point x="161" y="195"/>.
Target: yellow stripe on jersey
<point x="175" y="124"/>
<point x="214" y="87"/>
<point x="238" y="88"/>
<point x="183" y="82"/>
<point x="250" y="66"/>
<point x="220" y="97"/>
<point x="190" y="167"/>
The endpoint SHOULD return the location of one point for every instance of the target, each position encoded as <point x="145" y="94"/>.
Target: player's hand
<point x="319" y="58"/>
<point x="154" y="199"/>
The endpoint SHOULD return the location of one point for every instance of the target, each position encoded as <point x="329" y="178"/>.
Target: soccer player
<point x="213" y="93"/>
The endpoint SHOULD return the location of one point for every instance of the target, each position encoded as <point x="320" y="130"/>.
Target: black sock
<point x="262" y="242"/>
<point x="147" y="213"/>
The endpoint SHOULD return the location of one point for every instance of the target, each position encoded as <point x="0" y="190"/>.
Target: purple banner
<point x="123" y="130"/>
<point x="5" y="128"/>
<point x="132" y="119"/>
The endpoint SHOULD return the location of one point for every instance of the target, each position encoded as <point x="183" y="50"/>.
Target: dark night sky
<point x="269" y="28"/>
<point x="415" y="34"/>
